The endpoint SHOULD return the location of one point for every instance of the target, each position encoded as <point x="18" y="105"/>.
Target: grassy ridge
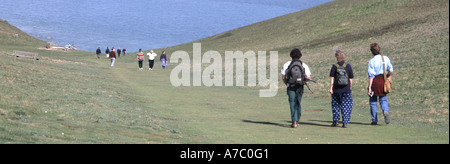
<point x="78" y="95"/>
<point x="414" y="34"/>
<point x="67" y="97"/>
<point x="39" y="102"/>
<point x="12" y="36"/>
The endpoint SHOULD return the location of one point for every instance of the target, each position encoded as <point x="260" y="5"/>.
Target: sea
<point x="139" y="24"/>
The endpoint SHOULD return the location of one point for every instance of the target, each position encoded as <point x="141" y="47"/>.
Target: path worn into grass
<point x="239" y="115"/>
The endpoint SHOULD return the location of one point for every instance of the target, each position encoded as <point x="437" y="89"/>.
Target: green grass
<point x="83" y="101"/>
<point x="78" y="95"/>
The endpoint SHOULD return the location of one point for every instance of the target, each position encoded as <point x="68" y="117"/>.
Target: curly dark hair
<point x="296" y="53"/>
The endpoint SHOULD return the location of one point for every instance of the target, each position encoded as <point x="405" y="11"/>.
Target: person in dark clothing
<point x="107" y="52"/>
<point x="118" y="52"/>
<point x="341" y="94"/>
<point x="124" y="51"/>
<point x="112" y="56"/>
<point x="163" y="60"/>
<point x="98" y="52"/>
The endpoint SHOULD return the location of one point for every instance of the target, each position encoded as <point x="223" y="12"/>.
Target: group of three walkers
<point x="151" y="59"/>
<point x="341" y="95"/>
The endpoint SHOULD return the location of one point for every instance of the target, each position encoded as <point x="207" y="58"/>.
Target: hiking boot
<point x="334" y="124"/>
<point x="294" y="124"/>
<point x="386" y="118"/>
<point x="344" y="125"/>
<point x="374" y="123"/>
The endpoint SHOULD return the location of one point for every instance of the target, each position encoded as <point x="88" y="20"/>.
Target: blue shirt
<point x="375" y="66"/>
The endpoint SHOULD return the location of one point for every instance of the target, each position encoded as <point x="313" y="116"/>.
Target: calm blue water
<point x="134" y="24"/>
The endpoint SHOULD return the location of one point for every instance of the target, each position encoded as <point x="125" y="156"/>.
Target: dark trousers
<point x="140" y="63"/>
<point x="295" y="95"/>
<point x="151" y="63"/>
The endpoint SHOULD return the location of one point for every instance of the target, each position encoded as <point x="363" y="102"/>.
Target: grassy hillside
<point x="67" y="97"/>
<point x="11" y="36"/>
<point x="72" y="97"/>
<point x="414" y="34"/>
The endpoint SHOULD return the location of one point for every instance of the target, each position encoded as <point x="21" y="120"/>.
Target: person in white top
<point x="285" y="67"/>
<point x="295" y="91"/>
<point x="151" y="59"/>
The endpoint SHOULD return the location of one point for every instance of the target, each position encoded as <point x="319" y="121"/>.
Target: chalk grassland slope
<point x="12" y="36"/>
<point x="414" y="34"/>
<point x="72" y="97"/>
<point x="67" y="97"/>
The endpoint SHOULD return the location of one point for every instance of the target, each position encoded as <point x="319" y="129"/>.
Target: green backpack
<point x="341" y="77"/>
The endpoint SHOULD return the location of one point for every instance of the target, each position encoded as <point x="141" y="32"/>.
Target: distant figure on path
<point x="151" y="59"/>
<point x="124" y="51"/>
<point x="112" y="56"/>
<point x="163" y="59"/>
<point x="98" y="52"/>
<point x="118" y="52"/>
<point x="376" y="83"/>
<point x="140" y="58"/>
<point x="107" y="52"/>
<point x="341" y="78"/>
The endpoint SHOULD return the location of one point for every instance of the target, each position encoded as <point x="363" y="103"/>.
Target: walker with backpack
<point x="296" y="75"/>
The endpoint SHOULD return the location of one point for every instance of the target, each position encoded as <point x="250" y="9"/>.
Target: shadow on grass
<point x="329" y="122"/>
<point x="267" y="123"/>
<point x="288" y="123"/>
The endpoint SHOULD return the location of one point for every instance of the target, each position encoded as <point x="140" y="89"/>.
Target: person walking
<point x="151" y="59"/>
<point x="107" y="52"/>
<point x="118" y="52"/>
<point x="163" y="59"/>
<point x="341" y="75"/>
<point x="112" y="56"/>
<point x="124" y="51"/>
<point x="140" y="58"/>
<point x="294" y="74"/>
<point x="98" y="52"/>
<point x="376" y="83"/>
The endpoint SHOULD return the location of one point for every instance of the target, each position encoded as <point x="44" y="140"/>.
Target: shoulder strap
<point x="292" y="63"/>
<point x="384" y="68"/>
<point x="343" y="66"/>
